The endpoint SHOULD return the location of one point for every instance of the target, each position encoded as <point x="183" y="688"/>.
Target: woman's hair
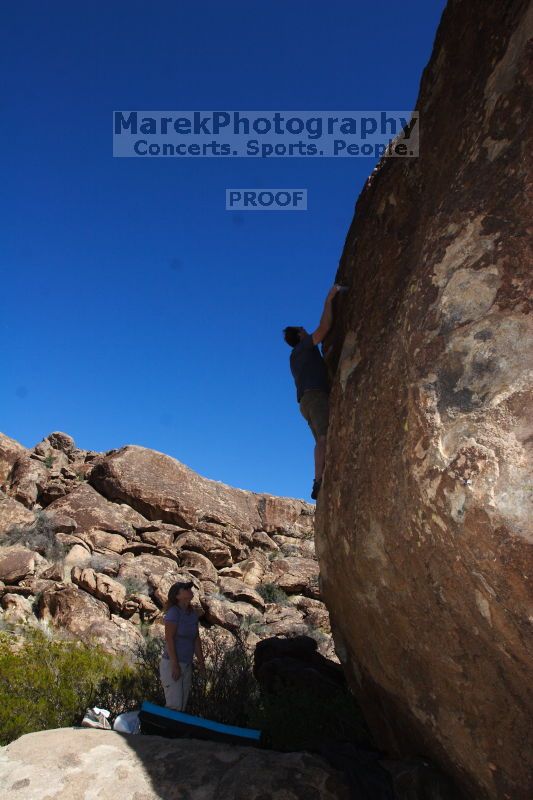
<point x="172" y="596"/>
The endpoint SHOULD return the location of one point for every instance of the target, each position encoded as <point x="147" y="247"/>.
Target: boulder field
<point x="90" y="544"/>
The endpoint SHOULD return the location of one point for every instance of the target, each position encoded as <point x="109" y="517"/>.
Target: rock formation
<point x="79" y="762"/>
<point x="422" y="522"/>
<point x="91" y="542"/>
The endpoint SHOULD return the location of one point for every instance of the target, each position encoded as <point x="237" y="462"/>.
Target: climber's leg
<point x="320" y="456"/>
<point x="314" y="406"/>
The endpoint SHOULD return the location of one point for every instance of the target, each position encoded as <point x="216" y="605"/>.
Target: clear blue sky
<point x="135" y="308"/>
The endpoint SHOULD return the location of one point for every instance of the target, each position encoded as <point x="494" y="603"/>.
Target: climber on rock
<point x="312" y="381"/>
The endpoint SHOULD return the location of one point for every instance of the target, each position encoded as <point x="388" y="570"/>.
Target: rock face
<point x="80" y="762"/>
<point x="422" y="521"/>
<point x="10" y="452"/>
<point x="160" y="487"/>
<point x="93" y="542"/>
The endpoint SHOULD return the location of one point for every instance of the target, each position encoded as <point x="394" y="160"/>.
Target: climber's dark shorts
<point x="314" y="405"/>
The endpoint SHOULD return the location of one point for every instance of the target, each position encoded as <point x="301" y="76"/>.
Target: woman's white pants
<point x="176" y="692"/>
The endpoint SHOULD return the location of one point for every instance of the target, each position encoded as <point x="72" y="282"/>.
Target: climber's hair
<point x="291" y="335"/>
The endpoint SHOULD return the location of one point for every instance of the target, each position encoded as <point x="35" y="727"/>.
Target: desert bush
<point x="126" y="689"/>
<point x="228" y="692"/>
<point x="133" y="585"/>
<point x="41" y="537"/>
<point x="46" y="683"/>
<point x="290" y="549"/>
<point x="48" y="679"/>
<point x="271" y="593"/>
<point x="253" y="623"/>
<point x="107" y="564"/>
<point x="247" y="622"/>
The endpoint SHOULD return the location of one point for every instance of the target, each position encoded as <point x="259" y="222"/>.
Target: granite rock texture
<point x="79" y="762"/>
<point x="423" y="521"/>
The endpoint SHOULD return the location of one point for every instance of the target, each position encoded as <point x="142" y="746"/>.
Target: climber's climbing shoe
<point x="316" y="488"/>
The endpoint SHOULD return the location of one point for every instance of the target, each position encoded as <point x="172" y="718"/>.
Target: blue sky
<point x="135" y="309"/>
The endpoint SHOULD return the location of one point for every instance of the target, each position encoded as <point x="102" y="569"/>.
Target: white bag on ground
<point x="96" y="718"/>
<point x="127" y="722"/>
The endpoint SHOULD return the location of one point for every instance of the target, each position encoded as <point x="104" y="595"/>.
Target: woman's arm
<point x="170" y="631"/>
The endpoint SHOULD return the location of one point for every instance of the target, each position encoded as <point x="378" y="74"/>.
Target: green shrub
<point x="271" y="593"/>
<point x="228" y="692"/>
<point x="48" y="460"/>
<point x="45" y="684"/>
<point x="247" y="622"/>
<point x="133" y="585"/>
<point x="102" y="562"/>
<point x="49" y="682"/>
<point x="290" y="550"/>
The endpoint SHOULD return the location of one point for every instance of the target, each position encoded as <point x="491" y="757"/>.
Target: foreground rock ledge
<point x="79" y="762"/>
<point x="422" y="525"/>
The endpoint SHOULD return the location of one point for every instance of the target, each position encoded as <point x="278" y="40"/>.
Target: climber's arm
<point x="327" y="317"/>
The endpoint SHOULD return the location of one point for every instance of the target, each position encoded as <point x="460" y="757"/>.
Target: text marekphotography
<point x="266" y="134"/>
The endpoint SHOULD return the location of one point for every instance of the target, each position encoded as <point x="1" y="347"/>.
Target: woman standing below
<point x="182" y="642"/>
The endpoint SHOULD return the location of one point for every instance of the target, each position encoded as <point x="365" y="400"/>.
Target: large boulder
<point x="66" y="606"/>
<point x="160" y="487"/>
<point x="71" y="609"/>
<point x="13" y="514"/>
<point x="422" y="523"/>
<point x="10" y="452"/>
<point x="115" y="635"/>
<point x="104" y="541"/>
<point x="16" y="563"/>
<point x="315" y="612"/>
<point x="16" y="608"/>
<point x="59" y="442"/>
<point x="217" y="551"/>
<point x="283" y="620"/>
<point x="27" y="479"/>
<point x="252" y="570"/>
<point x="198" y="564"/>
<point x="158" y="573"/>
<point x="64" y="762"/>
<point x="237" y="590"/>
<point x="90" y="510"/>
<point x="100" y="586"/>
<point x="295" y="575"/>
<point x="289" y="516"/>
<point x="231" y="615"/>
<point x="295" y="662"/>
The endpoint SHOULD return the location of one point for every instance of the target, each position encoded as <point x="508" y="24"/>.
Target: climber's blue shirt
<point x="308" y="367"/>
